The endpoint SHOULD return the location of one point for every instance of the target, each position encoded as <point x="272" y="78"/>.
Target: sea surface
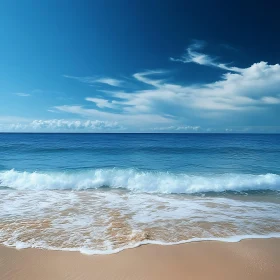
<point x="102" y="193"/>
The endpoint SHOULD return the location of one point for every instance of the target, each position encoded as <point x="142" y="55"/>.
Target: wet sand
<point x="248" y="259"/>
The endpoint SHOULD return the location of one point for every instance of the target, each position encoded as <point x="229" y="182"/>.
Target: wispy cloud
<point x="74" y="124"/>
<point x="22" y="94"/>
<point x="229" y="47"/>
<point x="101" y="103"/>
<point x="93" y="80"/>
<point x="249" y="89"/>
<point x="62" y="125"/>
<point x="194" y="55"/>
<point x="110" y="82"/>
<point x="167" y="105"/>
<point x="144" y="77"/>
<point x="136" y="119"/>
<point x="187" y="128"/>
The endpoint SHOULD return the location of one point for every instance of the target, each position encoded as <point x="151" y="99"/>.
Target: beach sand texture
<point x="247" y="259"/>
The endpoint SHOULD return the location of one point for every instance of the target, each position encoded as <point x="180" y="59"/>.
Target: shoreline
<point x="89" y="252"/>
<point x="246" y="259"/>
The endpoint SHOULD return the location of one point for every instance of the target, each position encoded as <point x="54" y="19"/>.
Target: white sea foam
<point x="37" y="212"/>
<point x="138" y="181"/>
<point x="105" y="222"/>
<point x="230" y="239"/>
<point x="87" y="251"/>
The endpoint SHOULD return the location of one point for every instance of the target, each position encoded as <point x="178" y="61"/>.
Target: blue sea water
<point x="189" y="153"/>
<point x="161" y="188"/>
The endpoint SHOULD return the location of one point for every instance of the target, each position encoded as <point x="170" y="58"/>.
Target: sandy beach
<point x="248" y="259"/>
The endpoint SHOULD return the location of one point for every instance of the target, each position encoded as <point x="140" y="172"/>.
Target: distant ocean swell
<point x="145" y="150"/>
<point x="138" y="181"/>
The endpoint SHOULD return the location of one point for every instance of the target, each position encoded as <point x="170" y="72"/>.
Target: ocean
<point x="102" y="193"/>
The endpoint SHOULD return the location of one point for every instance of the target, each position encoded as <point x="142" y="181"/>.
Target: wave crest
<point x="138" y="181"/>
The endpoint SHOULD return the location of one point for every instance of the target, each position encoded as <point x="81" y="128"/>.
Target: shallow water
<point x="101" y="193"/>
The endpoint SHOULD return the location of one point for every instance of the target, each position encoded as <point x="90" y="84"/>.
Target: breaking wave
<point x="138" y="181"/>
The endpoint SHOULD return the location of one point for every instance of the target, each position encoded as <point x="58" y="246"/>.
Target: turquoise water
<point x="101" y="193"/>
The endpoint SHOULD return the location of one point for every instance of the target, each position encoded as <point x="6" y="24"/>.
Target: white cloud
<point x="53" y="125"/>
<point x="74" y="124"/>
<point x="164" y="104"/>
<point x="187" y="128"/>
<point x="93" y="80"/>
<point x="144" y="77"/>
<point x="22" y="94"/>
<point x="168" y="106"/>
<point x="250" y="89"/>
<point x="101" y="103"/>
<point x="110" y="81"/>
<point x="125" y="118"/>
<point x="193" y="54"/>
<point x="271" y="100"/>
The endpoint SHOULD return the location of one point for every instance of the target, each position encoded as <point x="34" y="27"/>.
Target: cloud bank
<point x="250" y="89"/>
<point x="187" y="128"/>
<point x="238" y="89"/>
<point x="62" y="125"/>
<point x="153" y="101"/>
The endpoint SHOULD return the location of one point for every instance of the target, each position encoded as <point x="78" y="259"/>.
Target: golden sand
<point x="249" y="259"/>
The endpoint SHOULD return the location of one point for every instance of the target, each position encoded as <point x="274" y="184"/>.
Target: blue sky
<point x="139" y="66"/>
